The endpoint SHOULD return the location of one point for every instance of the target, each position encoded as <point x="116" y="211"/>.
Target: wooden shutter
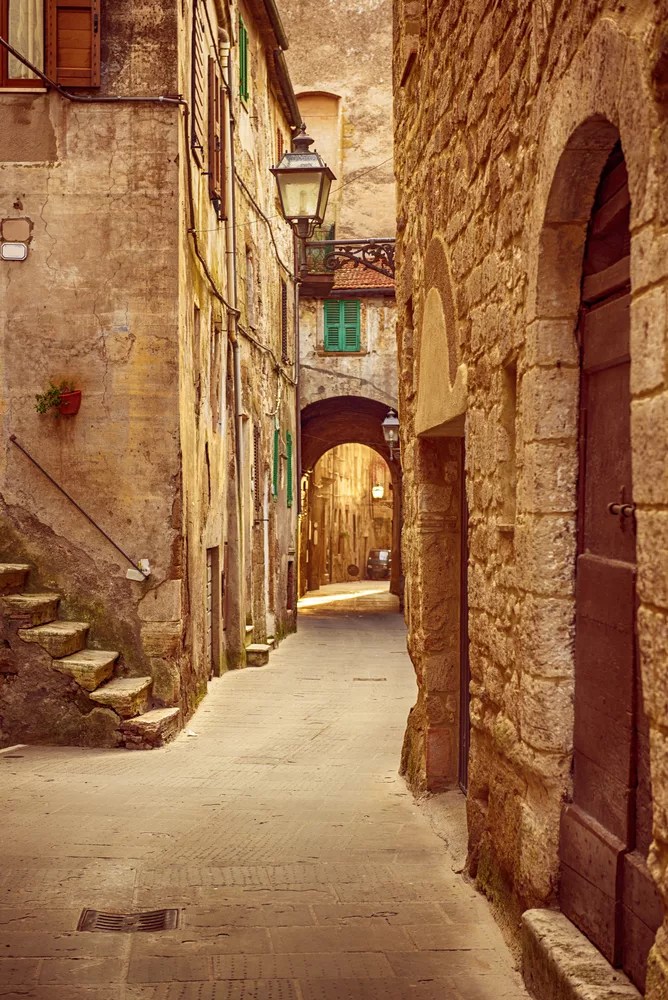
<point x="216" y="139"/>
<point x="197" y="111"/>
<point x="243" y="61"/>
<point x="288" y="449"/>
<point x="332" y="325"/>
<point x="284" y="322"/>
<point x="73" y="42"/>
<point x="350" y="322"/>
<point x="257" y="486"/>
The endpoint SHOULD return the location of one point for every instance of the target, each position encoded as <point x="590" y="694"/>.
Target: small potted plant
<point x="64" y="398"/>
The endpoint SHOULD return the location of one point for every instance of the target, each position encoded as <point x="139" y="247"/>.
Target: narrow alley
<point x="276" y="824"/>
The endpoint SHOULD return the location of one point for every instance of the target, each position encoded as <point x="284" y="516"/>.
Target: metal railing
<point x="12" y="438"/>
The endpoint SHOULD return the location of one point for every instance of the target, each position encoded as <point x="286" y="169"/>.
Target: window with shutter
<point x="350" y="321"/>
<point x="331" y="325"/>
<point x="22" y="24"/>
<point x="243" y="61"/>
<point x="288" y="449"/>
<point x="284" y="322"/>
<point x="342" y="325"/>
<point x="73" y="42"/>
<point x="256" y="484"/>
<point x="216" y="137"/>
<point x="198" y="83"/>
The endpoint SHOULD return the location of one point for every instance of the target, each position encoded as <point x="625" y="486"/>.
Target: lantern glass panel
<point x="324" y="196"/>
<point x="300" y="191"/>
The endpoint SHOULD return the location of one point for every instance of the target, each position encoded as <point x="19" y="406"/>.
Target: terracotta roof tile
<point x="350" y="276"/>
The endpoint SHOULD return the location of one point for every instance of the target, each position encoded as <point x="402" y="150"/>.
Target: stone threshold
<point x="560" y="963"/>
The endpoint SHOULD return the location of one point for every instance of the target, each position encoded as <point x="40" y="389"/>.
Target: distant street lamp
<point x="303" y="180"/>
<point x="378" y="491"/>
<point x="390" y="427"/>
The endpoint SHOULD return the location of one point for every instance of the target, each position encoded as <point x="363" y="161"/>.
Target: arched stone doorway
<point x="606" y="831"/>
<point x="354" y="420"/>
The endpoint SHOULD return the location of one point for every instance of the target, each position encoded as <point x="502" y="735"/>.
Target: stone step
<point x="89" y="668"/>
<point x="31" y="609"/>
<point x="57" y="638"/>
<point x="152" y="729"/>
<point x="257" y="654"/>
<point x="128" y="696"/>
<point x="13" y="577"/>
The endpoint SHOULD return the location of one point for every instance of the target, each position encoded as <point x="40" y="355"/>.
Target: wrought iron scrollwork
<point x="377" y="255"/>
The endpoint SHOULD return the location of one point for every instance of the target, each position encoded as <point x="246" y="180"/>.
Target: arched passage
<point x="353" y="420"/>
<point x="346" y="531"/>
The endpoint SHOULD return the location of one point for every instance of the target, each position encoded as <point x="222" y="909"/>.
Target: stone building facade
<point x="341" y="62"/>
<point x="532" y="277"/>
<point x="134" y="175"/>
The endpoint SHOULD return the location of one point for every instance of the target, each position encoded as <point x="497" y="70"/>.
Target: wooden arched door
<point x="606" y="831"/>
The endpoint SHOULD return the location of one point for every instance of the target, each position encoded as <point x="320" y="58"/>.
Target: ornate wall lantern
<point x="303" y="180"/>
<point x="390" y="427"/>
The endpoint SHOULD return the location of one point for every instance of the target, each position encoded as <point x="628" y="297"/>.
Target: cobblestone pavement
<point x="301" y="865"/>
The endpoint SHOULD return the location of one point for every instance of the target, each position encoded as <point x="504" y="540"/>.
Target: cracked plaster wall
<point x="96" y="304"/>
<point x="372" y="373"/>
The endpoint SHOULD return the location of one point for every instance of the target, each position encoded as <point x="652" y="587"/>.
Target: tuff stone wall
<point x="504" y="118"/>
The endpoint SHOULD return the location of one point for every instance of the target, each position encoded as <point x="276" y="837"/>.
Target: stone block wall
<point x="504" y="118"/>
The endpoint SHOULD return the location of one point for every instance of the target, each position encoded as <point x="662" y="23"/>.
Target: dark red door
<point x="606" y="888"/>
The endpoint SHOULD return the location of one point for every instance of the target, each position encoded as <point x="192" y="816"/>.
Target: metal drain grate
<point x="153" y="920"/>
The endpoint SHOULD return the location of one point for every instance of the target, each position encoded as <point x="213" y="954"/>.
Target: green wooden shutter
<point x="277" y="450"/>
<point x="243" y="61"/>
<point x="350" y="324"/>
<point x="288" y="448"/>
<point x="332" y="325"/>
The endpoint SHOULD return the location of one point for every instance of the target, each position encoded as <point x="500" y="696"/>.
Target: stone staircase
<point x="257" y="653"/>
<point x="95" y="671"/>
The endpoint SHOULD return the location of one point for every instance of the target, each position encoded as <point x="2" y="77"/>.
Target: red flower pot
<point x="70" y="403"/>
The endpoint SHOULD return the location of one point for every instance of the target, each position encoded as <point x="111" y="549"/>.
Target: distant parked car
<point x="379" y="564"/>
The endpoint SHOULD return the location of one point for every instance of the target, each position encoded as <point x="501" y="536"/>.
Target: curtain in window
<point x="26" y="33"/>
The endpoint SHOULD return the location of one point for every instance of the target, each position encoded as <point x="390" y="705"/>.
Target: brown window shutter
<point x="214" y="131"/>
<point x="73" y="42"/>
<point x="216" y="139"/>
<point x="223" y="148"/>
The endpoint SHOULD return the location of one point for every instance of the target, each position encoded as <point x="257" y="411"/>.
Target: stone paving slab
<point x="301" y="866"/>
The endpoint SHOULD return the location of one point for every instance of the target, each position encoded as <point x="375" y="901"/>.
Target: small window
<point x="243" y="61"/>
<point x="288" y="449"/>
<point x="342" y="325"/>
<point x="198" y="84"/>
<point x="250" y="289"/>
<point x="216" y="138"/>
<point x="256" y="485"/>
<point x="60" y="37"/>
<point x="285" y="357"/>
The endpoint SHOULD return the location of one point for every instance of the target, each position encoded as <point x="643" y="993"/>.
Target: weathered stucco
<point x="127" y="293"/>
<point x="344" y="49"/>
<point x="504" y="120"/>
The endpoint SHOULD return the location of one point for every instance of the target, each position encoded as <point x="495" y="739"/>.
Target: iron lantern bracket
<point x="376" y="255"/>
